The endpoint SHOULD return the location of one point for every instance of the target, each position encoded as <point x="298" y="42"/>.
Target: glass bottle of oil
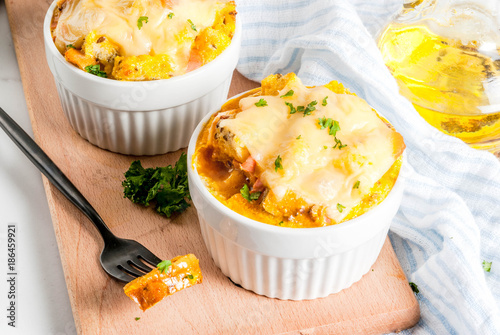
<point x="445" y="56"/>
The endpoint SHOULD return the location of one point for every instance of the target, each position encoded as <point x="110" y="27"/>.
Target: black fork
<point x="121" y="258"/>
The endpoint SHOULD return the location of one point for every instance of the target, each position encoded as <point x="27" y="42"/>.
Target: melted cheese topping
<point x="118" y="21"/>
<point x="314" y="168"/>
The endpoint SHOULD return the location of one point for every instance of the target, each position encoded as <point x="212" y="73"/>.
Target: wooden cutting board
<point x="380" y="302"/>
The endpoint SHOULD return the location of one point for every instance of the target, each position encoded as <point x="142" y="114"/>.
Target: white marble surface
<point x="42" y="299"/>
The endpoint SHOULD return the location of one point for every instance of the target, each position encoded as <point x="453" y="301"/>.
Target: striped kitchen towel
<point x="449" y="220"/>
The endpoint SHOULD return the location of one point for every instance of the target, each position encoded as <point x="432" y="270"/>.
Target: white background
<point x="42" y="298"/>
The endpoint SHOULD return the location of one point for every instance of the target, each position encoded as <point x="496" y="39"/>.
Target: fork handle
<point x="53" y="173"/>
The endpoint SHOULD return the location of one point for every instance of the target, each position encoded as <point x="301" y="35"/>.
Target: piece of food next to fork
<point x="169" y="277"/>
<point x="299" y="156"/>
<point x="143" y="40"/>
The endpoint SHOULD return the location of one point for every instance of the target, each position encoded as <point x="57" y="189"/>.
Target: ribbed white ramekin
<point x="140" y="118"/>
<point x="290" y="263"/>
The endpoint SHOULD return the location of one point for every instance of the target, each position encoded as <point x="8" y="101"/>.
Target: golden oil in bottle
<point x="454" y="84"/>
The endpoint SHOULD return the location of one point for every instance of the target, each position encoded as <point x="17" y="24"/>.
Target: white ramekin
<point x="140" y="118"/>
<point x="290" y="263"/>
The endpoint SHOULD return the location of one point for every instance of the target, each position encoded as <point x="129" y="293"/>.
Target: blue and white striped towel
<point x="449" y="221"/>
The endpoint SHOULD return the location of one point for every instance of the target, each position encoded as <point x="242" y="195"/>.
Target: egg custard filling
<point x="138" y="40"/>
<point x="296" y="156"/>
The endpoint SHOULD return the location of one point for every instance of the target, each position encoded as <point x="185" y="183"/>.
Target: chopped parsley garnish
<point x="340" y="207"/>
<point x="167" y="186"/>
<point x="414" y="287"/>
<point x="277" y="164"/>
<point x="164" y="265"/>
<point x="192" y="25"/>
<point x="325" y="147"/>
<point x="70" y="46"/>
<point x="261" y="103"/>
<point x="487" y="266"/>
<point x="287" y="94"/>
<point x="245" y="193"/>
<point x="334" y="128"/>
<point x="325" y="123"/>
<point x="301" y="109"/>
<point x="189" y="276"/>
<point x="338" y="144"/>
<point x="292" y="109"/>
<point x="96" y="70"/>
<point x="298" y="137"/>
<point x="141" y="21"/>
<point x="171" y="15"/>
<point x="356" y="184"/>
<point x="281" y="223"/>
<point x="324" y="101"/>
<point x="310" y="108"/>
<point x="137" y="318"/>
<point x="332" y="125"/>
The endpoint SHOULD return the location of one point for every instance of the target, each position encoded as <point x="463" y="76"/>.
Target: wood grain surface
<point x="380" y="302"/>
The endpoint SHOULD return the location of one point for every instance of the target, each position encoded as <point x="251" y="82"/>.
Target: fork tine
<point x="123" y="276"/>
<point x="130" y="270"/>
<point x="140" y="265"/>
<point x="116" y="273"/>
<point x="149" y="257"/>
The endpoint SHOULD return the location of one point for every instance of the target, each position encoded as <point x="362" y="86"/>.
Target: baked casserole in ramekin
<point x="130" y="85"/>
<point x="295" y="187"/>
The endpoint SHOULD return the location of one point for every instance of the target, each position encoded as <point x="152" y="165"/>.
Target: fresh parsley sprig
<point x="164" y="265"/>
<point x="414" y="287"/>
<point x="167" y="186"/>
